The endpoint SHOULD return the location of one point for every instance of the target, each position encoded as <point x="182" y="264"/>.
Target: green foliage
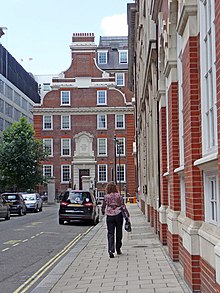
<point x="20" y="157"/>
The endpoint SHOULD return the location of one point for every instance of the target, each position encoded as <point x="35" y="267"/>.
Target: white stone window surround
<point x="121" y="173"/>
<point x="65" y="173"/>
<point x="120" y="143"/>
<point x="123" y="56"/>
<point x="102" y="97"/>
<point x="65" y="147"/>
<point x="119" y="121"/>
<point x="102" y="147"/>
<point x="48" y="145"/>
<point x="180" y="97"/>
<point x="102" y="173"/>
<point x="65" y="98"/>
<point x="47" y="170"/>
<point x="47" y="122"/>
<point x="65" y="122"/>
<point x="120" y="79"/>
<point x="101" y="121"/>
<point x="208" y="76"/>
<point x="211" y="196"/>
<point x="102" y="56"/>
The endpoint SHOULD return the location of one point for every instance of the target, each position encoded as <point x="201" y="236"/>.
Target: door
<point x="82" y="172"/>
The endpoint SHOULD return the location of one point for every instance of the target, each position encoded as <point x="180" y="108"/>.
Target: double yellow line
<point x="36" y="276"/>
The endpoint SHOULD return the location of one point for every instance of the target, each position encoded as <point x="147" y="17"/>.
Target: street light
<point x="117" y="146"/>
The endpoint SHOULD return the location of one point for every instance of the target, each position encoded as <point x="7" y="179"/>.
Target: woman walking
<point x="112" y="204"/>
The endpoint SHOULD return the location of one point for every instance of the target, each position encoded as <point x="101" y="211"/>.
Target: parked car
<point x="33" y="202"/>
<point x="4" y="209"/>
<point x="16" y="203"/>
<point x="78" y="205"/>
<point x="44" y="197"/>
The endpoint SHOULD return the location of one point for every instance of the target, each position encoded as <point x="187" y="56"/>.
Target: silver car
<point x="33" y="202"/>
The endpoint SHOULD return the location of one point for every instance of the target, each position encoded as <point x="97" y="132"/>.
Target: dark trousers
<point x="114" y="223"/>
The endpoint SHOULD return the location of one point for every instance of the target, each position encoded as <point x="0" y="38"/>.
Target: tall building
<point x="174" y="48"/>
<point x="87" y="119"/>
<point x="18" y="91"/>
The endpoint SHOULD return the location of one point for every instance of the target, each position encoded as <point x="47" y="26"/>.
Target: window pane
<point x="48" y="146"/>
<point x="120" y="173"/>
<point x="101" y="121"/>
<point x="123" y="57"/>
<point x="65" y="98"/>
<point x="102" y="173"/>
<point x="102" y="57"/>
<point x="65" y="147"/>
<point x="47" y="170"/>
<point x="65" y="122"/>
<point x="120" y="146"/>
<point x="120" y="121"/>
<point x="120" y="79"/>
<point x="101" y="97"/>
<point x="66" y="173"/>
<point x="47" y="122"/>
<point x="102" y="146"/>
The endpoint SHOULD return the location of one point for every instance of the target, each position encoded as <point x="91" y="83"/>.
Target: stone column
<point x="51" y="190"/>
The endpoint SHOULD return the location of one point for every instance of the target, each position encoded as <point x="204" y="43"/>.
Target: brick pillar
<point x="173" y="135"/>
<point x="163" y="180"/>
<point x="192" y="152"/>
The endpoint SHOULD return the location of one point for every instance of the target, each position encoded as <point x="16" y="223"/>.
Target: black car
<point x="16" y="203"/>
<point x="78" y="205"/>
<point x="4" y="209"/>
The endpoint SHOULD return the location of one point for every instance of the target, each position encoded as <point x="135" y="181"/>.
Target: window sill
<point x="207" y="162"/>
<point x="179" y="169"/>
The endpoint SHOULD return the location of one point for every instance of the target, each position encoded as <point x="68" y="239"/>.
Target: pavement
<point x="144" y="265"/>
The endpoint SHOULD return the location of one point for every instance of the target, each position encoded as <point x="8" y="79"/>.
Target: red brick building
<point x="175" y="77"/>
<point x="87" y="120"/>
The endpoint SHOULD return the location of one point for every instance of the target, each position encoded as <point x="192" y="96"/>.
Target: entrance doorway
<point x="82" y="172"/>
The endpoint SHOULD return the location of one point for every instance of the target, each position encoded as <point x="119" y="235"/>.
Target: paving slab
<point x="144" y="265"/>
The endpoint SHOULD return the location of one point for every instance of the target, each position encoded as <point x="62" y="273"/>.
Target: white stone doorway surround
<point x="83" y="157"/>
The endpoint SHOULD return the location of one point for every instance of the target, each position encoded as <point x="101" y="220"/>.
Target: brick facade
<point x="83" y="80"/>
<point x="189" y="155"/>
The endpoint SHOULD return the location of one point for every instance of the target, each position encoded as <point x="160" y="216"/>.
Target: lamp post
<point x="119" y="165"/>
<point x="117" y="149"/>
<point x="115" y="166"/>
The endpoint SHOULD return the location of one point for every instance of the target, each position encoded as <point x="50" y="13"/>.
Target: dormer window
<point x="102" y="57"/>
<point x="123" y="56"/>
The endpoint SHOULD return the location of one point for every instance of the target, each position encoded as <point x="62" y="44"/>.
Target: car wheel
<point x="61" y="222"/>
<point x="37" y="209"/>
<point x="25" y="212"/>
<point x="8" y="216"/>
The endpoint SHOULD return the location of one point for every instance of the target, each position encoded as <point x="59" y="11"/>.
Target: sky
<point x="39" y="32"/>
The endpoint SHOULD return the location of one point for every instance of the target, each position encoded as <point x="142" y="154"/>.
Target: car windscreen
<point x="77" y="197"/>
<point x="29" y="196"/>
<point x="11" y="197"/>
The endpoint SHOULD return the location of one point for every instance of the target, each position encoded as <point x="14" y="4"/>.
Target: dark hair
<point x="111" y="188"/>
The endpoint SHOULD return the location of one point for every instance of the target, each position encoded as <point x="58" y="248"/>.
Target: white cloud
<point x="115" y="25"/>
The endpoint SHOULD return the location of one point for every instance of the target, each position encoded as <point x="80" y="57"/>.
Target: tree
<point x="20" y="157"/>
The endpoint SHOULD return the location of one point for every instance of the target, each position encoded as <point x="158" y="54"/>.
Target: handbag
<point x="127" y="225"/>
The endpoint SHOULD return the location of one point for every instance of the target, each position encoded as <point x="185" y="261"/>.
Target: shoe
<point x="119" y="252"/>
<point x="111" y="255"/>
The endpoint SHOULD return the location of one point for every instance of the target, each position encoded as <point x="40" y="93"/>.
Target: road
<point x="29" y="243"/>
